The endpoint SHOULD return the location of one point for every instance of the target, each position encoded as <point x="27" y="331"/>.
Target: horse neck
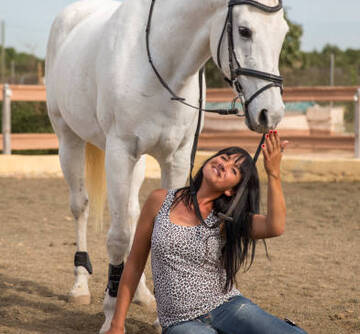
<point x="180" y="37"/>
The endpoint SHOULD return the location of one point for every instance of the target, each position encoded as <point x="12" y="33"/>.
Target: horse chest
<point x="160" y="137"/>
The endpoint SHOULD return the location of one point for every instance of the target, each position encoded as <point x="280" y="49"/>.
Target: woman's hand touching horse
<point x="273" y="224"/>
<point x="272" y="152"/>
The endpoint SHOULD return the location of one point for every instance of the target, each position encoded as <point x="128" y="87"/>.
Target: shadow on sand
<point x="26" y="306"/>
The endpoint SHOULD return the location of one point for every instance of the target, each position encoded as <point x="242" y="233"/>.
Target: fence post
<point x="6" y="119"/>
<point x="357" y="124"/>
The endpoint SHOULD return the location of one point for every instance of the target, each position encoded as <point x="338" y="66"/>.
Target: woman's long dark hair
<point x="239" y="245"/>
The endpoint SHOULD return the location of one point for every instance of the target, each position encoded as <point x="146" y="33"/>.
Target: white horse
<point x="103" y="95"/>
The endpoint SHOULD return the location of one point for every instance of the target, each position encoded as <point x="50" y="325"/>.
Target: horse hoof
<point x="80" y="300"/>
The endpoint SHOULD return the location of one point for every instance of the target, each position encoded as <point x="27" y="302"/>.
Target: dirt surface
<point x="312" y="278"/>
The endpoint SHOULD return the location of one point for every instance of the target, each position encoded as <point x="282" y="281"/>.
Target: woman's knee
<point x="240" y="316"/>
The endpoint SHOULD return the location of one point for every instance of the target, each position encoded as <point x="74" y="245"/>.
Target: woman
<point x="194" y="263"/>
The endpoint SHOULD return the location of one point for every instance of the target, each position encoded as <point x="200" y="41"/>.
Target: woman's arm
<point x="273" y="224"/>
<point x="136" y="261"/>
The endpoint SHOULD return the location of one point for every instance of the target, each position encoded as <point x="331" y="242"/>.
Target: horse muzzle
<point x="264" y="119"/>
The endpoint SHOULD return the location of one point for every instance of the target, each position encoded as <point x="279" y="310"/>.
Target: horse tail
<point x="96" y="182"/>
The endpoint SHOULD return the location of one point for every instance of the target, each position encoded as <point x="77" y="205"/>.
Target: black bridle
<point x="234" y="65"/>
<point x="235" y="73"/>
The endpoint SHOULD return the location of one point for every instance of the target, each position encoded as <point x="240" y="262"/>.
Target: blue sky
<point x="327" y="21"/>
<point x="324" y="21"/>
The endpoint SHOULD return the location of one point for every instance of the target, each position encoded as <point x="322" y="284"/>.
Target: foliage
<point x="35" y="152"/>
<point x="214" y="77"/>
<point x="28" y="68"/>
<point x="314" y="69"/>
<point x="29" y="117"/>
<point x="291" y="53"/>
<point x="317" y="66"/>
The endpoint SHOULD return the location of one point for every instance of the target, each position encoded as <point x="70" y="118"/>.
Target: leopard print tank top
<point x="188" y="278"/>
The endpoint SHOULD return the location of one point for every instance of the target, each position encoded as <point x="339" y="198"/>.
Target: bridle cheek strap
<point x="235" y="73"/>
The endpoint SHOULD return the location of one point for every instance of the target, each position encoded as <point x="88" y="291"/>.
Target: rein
<point x="235" y="73"/>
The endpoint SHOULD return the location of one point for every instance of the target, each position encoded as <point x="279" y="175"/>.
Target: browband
<point x="256" y="4"/>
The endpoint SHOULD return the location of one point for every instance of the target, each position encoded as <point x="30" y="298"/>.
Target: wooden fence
<point x="296" y="94"/>
<point x="291" y="94"/>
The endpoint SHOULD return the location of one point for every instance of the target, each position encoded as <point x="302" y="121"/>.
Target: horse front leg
<point x="142" y="295"/>
<point x="175" y="169"/>
<point x="121" y="169"/>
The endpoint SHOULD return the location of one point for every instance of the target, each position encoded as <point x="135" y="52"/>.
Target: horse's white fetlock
<point x="80" y="293"/>
<point x="109" y="309"/>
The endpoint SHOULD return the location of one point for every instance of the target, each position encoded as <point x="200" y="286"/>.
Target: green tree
<point x="291" y="54"/>
<point x="26" y="66"/>
<point x="214" y="77"/>
<point x="315" y="68"/>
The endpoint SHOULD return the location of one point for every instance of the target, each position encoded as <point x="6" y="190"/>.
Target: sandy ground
<point x="312" y="278"/>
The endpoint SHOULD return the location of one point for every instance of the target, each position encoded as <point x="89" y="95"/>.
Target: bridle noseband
<point x="235" y="73"/>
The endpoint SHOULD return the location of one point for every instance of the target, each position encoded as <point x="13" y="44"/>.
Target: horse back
<point x="66" y="21"/>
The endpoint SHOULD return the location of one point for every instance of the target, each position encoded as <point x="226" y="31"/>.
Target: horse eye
<point x="245" y="32"/>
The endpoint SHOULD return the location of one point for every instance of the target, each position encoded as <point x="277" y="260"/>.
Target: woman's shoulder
<point x="156" y="199"/>
<point x="153" y="203"/>
<point x="161" y="193"/>
<point x="158" y="195"/>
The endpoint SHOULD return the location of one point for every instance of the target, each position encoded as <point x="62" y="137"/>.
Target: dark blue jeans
<point x="236" y="316"/>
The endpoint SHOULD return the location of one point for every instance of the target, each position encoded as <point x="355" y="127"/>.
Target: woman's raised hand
<point x="272" y="151"/>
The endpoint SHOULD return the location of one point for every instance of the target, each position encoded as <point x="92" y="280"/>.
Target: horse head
<point x="246" y="41"/>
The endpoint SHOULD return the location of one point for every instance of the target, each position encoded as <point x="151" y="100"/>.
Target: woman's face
<point x="223" y="171"/>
